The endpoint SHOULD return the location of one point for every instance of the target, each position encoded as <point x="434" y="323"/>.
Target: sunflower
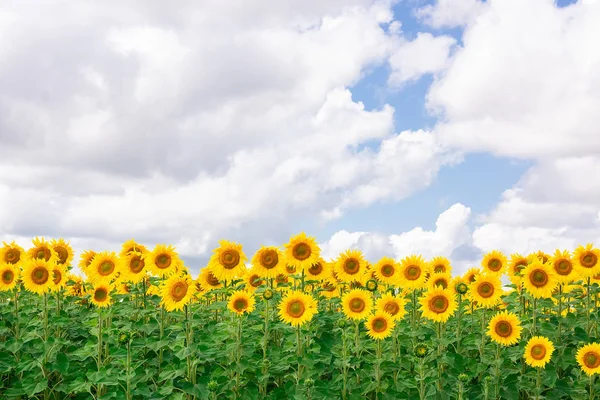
<point x="319" y="271"/>
<point x="42" y="250"/>
<point x="268" y="262"/>
<point x="59" y="277"/>
<point x="176" y="292"/>
<point x="515" y="266"/>
<point x="241" y="302"/>
<point x="438" y="304"/>
<point x="351" y="266"/>
<point x="440" y="264"/>
<point x="9" y="275"/>
<point x="123" y="288"/>
<point x="440" y="279"/>
<point x="563" y="266"/>
<point x="37" y="276"/>
<point x="379" y="325"/>
<point x="297" y="308"/>
<point x="227" y="261"/>
<point x="63" y="250"/>
<point x="539" y="255"/>
<point x="413" y="272"/>
<point x="357" y="304"/>
<point x="208" y="280"/>
<point x="75" y="289"/>
<point x="163" y="260"/>
<point x="588" y="358"/>
<point x="290" y="269"/>
<point x="539" y="279"/>
<point x="85" y="259"/>
<point x="302" y="252"/>
<point x="132" y="246"/>
<point x="538" y="351"/>
<point x="100" y="295"/>
<point x="133" y="267"/>
<point x="11" y="253"/>
<point x="387" y="270"/>
<point x="392" y="305"/>
<point x="505" y="328"/>
<point x="104" y="267"/>
<point x="252" y="280"/>
<point x="471" y="274"/>
<point x="494" y="263"/>
<point x="282" y="280"/>
<point x="329" y="289"/>
<point x="586" y="260"/>
<point x="486" y="290"/>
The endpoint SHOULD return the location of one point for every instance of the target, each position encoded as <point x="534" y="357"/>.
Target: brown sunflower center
<point x="379" y="325"/>
<point x="179" y="290"/>
<point x="12" y="256"/>
<point x="43" y="253"/>
<point x="290" y="269"/>
<point x="328" y="287"/>
<point x="230" y="259"/>
<point x="269" y="259"/>
<point x="40" y="275"/>
<point x="301" y="251"/>
<point x="588" y="260"/>
<point x="57" y="276"/>
<point x="281" y="278"/>
<point x="387" y="270"/>
<point x="538" y="352"/>
<point x="494" y="264"/>
<point x="503" y="329"/>
<point x="296" y="308"/>
<point x="412" y="273"/>
<point x="7" y="277"/>
<point x="316" y="269"/>
<point x="255" y="280"/>
<point x="439" y="268"/>
<point x="100" y="295"/>
<point x="519" y="267"/>
<point x="485" y="290"/>
<point x="591" y="359"/>
<point x="357" y="305"/>
<point x="439" y="304"/>
<point x="106" y="268"/>
<point x="441" y="282"/>
<point x="163" y="261"/>
<point x="137" y="264"/>
<point x="240" y="304"/>
<point x="63" y="254"/>
<point x="563" y="267"/>
<point x="212" y="280"/>
<point x="351" y="266"/>
<point x="472" y="278"/>
<point x="391" y="307"/>
<point x="538" y="278"/>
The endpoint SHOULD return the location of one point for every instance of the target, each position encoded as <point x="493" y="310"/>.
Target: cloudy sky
<point x="439" y="127"/>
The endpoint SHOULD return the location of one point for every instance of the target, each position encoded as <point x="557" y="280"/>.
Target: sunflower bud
<point x="462" y="288"/>
<point x="268" y="294"/>
<point x="421" y="350"/>
<point x="463" y="378"/>
<point x="212" y="386"/>
<point x="308" y="382"/>
<point x="342" y="323"/>
<point x="371" y="285"/>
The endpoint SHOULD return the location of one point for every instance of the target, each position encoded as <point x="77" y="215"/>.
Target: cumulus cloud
<point x="450" y="13"/>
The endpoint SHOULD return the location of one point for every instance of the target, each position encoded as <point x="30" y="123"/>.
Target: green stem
<point x="588" y="307"/>
<point x="299" y="348"/>
<point x="344" y="364"/>
<point x="534" y="316"/>
<point x="421" y="380"/>
<point x="357" y="348"/>
<point x="591" y="387"/>
<point x="129" y="394"/>
<point x="265" y="344"/>
<point x="439" y="356"/>
<point x="497" y="368"/>
<point x="458" y="329"/>
<point x="378" y="368"/>
<point x="99" y="356"/>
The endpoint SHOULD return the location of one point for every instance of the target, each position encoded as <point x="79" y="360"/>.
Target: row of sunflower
<point x="287" y="323"/>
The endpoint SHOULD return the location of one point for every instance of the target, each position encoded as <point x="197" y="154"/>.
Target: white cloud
<point x="427" y="54"/>
<point x="450" y="13"/>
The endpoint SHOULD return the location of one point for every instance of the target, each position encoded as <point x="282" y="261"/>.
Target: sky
<point x="442" y="127"/>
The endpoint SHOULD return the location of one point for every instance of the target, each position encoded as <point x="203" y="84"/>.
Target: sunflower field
<point x="287" y="324"/>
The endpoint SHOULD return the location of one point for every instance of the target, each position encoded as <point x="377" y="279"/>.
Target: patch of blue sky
<point x="564" y="3"/>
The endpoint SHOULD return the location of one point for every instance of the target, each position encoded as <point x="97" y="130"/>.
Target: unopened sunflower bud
<point x="371" y="285"/>
<point x="421" y="350"/>
<point x="268" y="294"/>
<point x="212" y="386"/>
<point x="462" y="288"/>
<point x="308" y="382"/>
<point x="463" y="378"/>
<point x="342" y="323"/>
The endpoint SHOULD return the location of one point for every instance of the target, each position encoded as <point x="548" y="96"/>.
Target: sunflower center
<point x="106" y="268"/>
<point x="503" y="329"/>
<point x="179" y="290"/>
<point x="163" y="261"/>
<point x="57" y="276"/>
<point x="240" y="304"/>
<point x="255" y="280"/>
<point x="7" y="277"/>
<point x="538" y="352"/>
<point x="439" y="304"/>
<point x="379" y="325"/>
<point x="351" y="266"/>
<point x="441" y="282"/>
<point x="39" y="275"/>
<point x="12" y="256"/>
<point x="589" y="260"/>
<point x="563" y="267"/>
<point x="230" y="259"/>
<point x="494" y="264"/>
<point x="538" y="278"/>
<point x="485" y="290"/>
<point x="439" y="268"/>
<point x="316" y="269"/>
<point x="269" y="259"/>
<point x="63" y="254"/>
<point x="412" y="273"/>
<point x="43" y="253"/>
<point x="387" y="270"/>
<point x="391" y="308"/>
<point x="591" y="359"/>
<point x="296" y="308"/>
<point x="212" y="280"/>
<point x="357" y="305"/>
<point x="472" y="278"/>
<point x="281" y="278"/>
<point x="290" y="269"/>
<point x="519" y="267"/>
<point x="301" y="251"/>
<point x="328" y="287"/>
<point x="100" y="295"/>
<point x="136" y="265"/>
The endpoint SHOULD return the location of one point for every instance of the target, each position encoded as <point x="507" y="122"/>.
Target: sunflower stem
<point x="238" y="355"/>
<point x="538" y="383"/>
<point x="421" y="379"/>
<point x="357" y="348"/>
<point x="458" y="329"/>
<point x="45" y="317"/>
<point x="344" y="363"/>
<point x="534" y="316"/>
<point x="439" y="357"/>
<point x="591" y="387"/>
<point x="129" y="395"/>
<point x="378" y="369"/>
<point x="588" y="308"/>
<point x="299" y="348"/>
<point x="265" y="369"/>
<point x="99" y="356"/>
<point x="497" y="367"/>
